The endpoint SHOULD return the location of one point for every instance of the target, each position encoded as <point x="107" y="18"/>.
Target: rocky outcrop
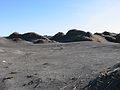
<point x="73" y="36"/>
<point x="45" y="40"/>
<point x="58" y="36"/>
<point x="16" y="39"/>
<point x="75" y="32"/>
<point x="100" y="34"/>
<point x="76" y="35"/>
<point x="111" y="37"/>
<point x="109" y="79"/>
<point x="109" y="34"/>
<point x="30" y="36"/>
<point x="118" y="38"/>
<point x="14" y="35"/>
<point x="106" y="33"/>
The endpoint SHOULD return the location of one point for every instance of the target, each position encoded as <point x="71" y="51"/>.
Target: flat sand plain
<point x="55" y="66"/>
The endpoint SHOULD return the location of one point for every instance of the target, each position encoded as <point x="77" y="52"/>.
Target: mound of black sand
<point x="109" y="79"/>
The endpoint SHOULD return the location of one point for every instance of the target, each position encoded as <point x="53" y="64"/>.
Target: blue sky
<point x="51" y="16"/>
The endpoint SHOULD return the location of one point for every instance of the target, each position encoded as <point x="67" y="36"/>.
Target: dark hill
<point x="30" y="36"/>
<point x="73" y="35"/>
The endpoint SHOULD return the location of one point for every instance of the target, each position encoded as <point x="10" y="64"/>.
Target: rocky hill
<point x="30" y="36"/>
<point x="73" y="35"/>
